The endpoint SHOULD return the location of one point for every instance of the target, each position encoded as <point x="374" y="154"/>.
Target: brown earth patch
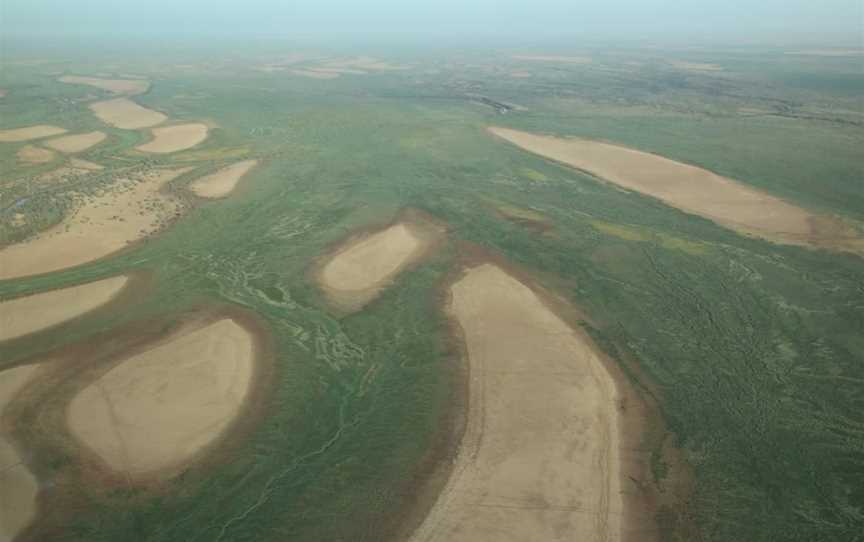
<point x="357" y="270"/>
<point x="175" y="138"/>
<point x="126" y="114"/>
<point x="18" y="486"/>
<point x="126" y="212"/>
<point x="30" y="132"/>
<point x="30" y="154"/>
<point x="155" y="411"/>
<point x="117" y="86"/>
<point x="76" y="142"/>
<point x="222" y="182"/>
<point x="692" y="189"/>
<point x="32" y="313"/>
<point x="540" y="456"/>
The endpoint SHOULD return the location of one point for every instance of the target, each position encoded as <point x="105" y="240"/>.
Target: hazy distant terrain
<point x="266" y="292"/>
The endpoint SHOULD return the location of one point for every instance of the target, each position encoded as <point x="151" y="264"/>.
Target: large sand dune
<point x="76" y="142"/>
<point x="39" y="311"/>
<point x="117" y="86"/>
<point x="222" y="182"/>
<point x="539" y="460"/>
<point x="175" y="138"/>
<point x="127" y="212"/>
<point x="18" y="487"/>
<point x="28" y="133"/>
<point x="31" y="154"/>
<point x="691" y="189"/>
<point x="358" y="271"/>
<point x="157" y="409"/>
<point x="126" y="114"/>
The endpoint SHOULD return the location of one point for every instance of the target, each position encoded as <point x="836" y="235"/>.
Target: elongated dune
<point x="76" y="142"/>
<point x="30" y="154"/>
<point x="157" y="409"/>
<point x="126" y="114"/>
<point x="40" y="311"/>
<point x="222" y="182"/>
<point x="357" y="272"/>
<point x="128" y="211"/>
<point x="18" y="486"/>
<point x="175" y="138"/>
<point x="30" y="132"/>
<point x="539" y="459"/>
<point x="117" y="86"/>
<point x="691" y="189"/>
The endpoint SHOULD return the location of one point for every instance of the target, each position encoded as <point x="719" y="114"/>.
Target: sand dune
<point x="555" y="58"/>
<point x="18" y="487"/>
<point x="691" y="189"/>
<point x="39" y="311"/>
<point x="156" y="410"/>
<point x="126" y="114"/>
<point x="28" y="133"/>
<point x="540" y="455"/>
<point x="175" y="138"/>
<point x="117" y="86"/>
<point x="127" y="212"/>
<point x="222" y="182"/>
<point x="357" y="272"/>
<point x="76" y="142"/>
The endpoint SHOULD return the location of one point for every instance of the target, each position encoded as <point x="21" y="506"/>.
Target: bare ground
<point x="167" y="139"/>
<point x="126" y="212"/>
<point x="36" y="312"/>
<point x="539" y="459"/>
<point x="157" y="409"/>
<point x="31" y="154"/>
<point x="692" y="189"/>
<point x="117" y="86"/>
<point x="222" y="182"/>
<point x="30" y="132"/>
<point x="126" y="114"/>
<point x="76" y="142"/>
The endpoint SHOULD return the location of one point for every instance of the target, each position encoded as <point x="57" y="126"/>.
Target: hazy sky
<point x="839" y="21"/>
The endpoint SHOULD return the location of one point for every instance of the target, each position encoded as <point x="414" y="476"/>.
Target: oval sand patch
<point x="30" y="132"/>
<point x="118" y="86"/>
<point x="157" y="409"/>
<point x="539" y="459"/>
<point x="126" y="114"/>
<point x="222" y="182"/>
<point x="39" y="311"/>
<point x="18" y="486"/>
<point x="175" y="138"/>
<point x="30" y="154"/>
<point x="76" y="142"/>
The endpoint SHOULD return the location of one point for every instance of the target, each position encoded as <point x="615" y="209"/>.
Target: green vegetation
<point x="756" y="351"/>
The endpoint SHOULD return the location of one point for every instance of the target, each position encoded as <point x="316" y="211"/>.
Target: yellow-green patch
<point x="631" y="233"/>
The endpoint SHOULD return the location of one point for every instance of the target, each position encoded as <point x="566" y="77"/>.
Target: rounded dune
<point x="76" y="142"/>
<point x="156" y="410"/>
<point x="31" y="132"/>
<point x="222" y="182"/>
<point x="126" y="114"/>
<point x="175" y="138"/>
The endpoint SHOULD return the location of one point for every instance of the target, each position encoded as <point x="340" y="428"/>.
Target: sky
<point x="838" y="22"/>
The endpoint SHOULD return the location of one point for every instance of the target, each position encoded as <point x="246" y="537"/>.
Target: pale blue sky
<point x="830" y="21"/>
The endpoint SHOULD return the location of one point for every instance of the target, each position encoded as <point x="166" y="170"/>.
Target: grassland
<point x="752" y="351"/>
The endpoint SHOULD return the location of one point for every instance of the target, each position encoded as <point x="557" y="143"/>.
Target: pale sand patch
<point x="356" y="273"/>
<point x="555" y="58"/>
<point x="130" y="210"/>
<point x="30" y="132"/>
<point x="76" y="142"/>
<point x="118" y="86"/>
<point x="175" y="138"/>
<point x="31" y="154"/>
<point x="348" y="71"/>
<point x="40" y="311"/>
<point x="19" y="219"/>
<point x="18" y="487"/>
<point x="540" y="458"/>
<point x="157" y="409"/>
<point x="126" y="114"/>
<point x="692" y="189"/>
<point x="363" y="63"/>
<point x="828" y="52"/>
<point x="696" y="66"/>
<point x="84" y="164"/>
<point x="316" y="74"/>
<point x="222" y="182"/>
